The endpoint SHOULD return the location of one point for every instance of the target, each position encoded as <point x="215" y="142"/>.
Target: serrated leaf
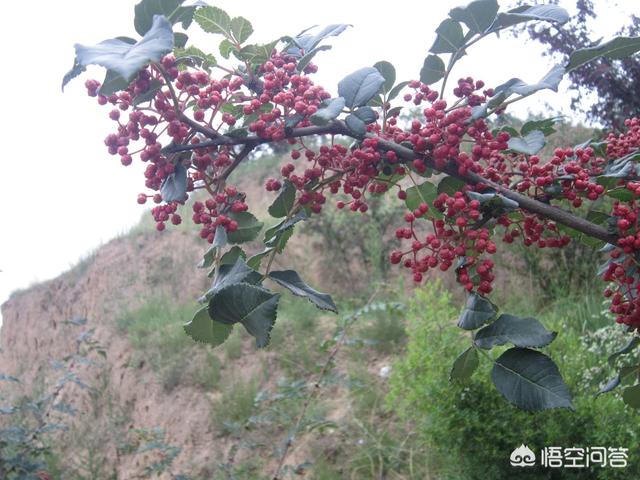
<point x="220" y="237"/>
<point x="360" y="86"/>
<point x="530" y="144"/>
<point x="76" y="70"/>
<point x="366" y="114"/>
<point x="622" y="194"/>
<point x="174" y="186"/>
<point x="150" y="94"/>
<point x="357" y="126"/>
<point x="526" y="13"/>
<point x="205" y="330"/>
<point x="477" y="311"/>
<point x="290" y="280"/>
<point x="248" y="227"/>
<point x="464" y="365"/>
<point x="619" y="47"/>
<point x="254" y="307"/>
<point x="306" y="58"/>
<point x="450" y="37"/>
<point x="631" y="396"/>
<point x="207" y="258"/>
<point x="256" y="54"/>
<point x="232" y="255"/>
<point x="521" y="332"/>
<point x="171" y="9"/>
<point x="196" y="56"/>
<point x="255" y="261"/>
<point x="329" y="112"/>
<point x="450" y="185"/>
<point x="545" y="126"/>
<point x="213" y="20"/>
<point x="477" y="15"/>
<point x="425" y="192"/>
<point x="305" y="42"/>
<point x="396" y="90"/>
<point x="241" y="29"/>
<point x="432" y="70"/>
<point x="530" y="380"/>
<point x="630" y="346"/>
<point x="388" y="72"/>
<point x="112" y="83"/>
<point x="283" y="203"/>
<point x="226" y="47"/>
<point x="125" y="59"/>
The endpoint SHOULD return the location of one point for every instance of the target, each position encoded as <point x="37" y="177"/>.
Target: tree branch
<point x="337" y="127"/>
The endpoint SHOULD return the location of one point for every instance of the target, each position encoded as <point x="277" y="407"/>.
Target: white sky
<point x="62" y="195"/>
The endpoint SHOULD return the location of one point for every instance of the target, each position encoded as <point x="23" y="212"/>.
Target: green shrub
<point x="472" y="430"/>
<point x="155" y="331"/>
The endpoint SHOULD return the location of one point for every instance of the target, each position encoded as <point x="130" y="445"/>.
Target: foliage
<point x="197" y="127"/>
<point x="612" y="78"/>
<point x="468" y="428"/>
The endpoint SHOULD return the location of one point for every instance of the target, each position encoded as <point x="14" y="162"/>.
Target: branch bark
<point x="338" y="127"/>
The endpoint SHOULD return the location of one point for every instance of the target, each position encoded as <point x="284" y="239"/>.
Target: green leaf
<point x="630" y="346"/>
<point x="450" y="37"/>
<point x="477" y="15"/>
<point x="174" y="186"/>
<point x="283" y="203"/>
<point x="290" y="280"/>
<point x="526" y="13"/>
<point x="545" y="126"/>
<point x="360" y="86"/>
<point x="232" y="256"/>
<point x="171" y="9"/>
<point x="256" y="54"/>
<point x="450" y="185"/>
<point x="254" y="307"/>
<point x="631" y="396"/>
<point x="255" y="261"/>
<point x="621" y="193"/>
<point x="248" y="227"/>
<point x="522" y="332"/>
<point x="329" y="112"/>
<point x="425" y="192"/>
<point x="530" y="380"/>
<point x="220" y="238"/>
<point x="180" y="39"/>
<point x="625" y="375"/>
<point x="305" y="42"/>
<point x="306" y="59"/>
<point x="396" y="90"/>
<point x="388" y="72"/>
<point x="112" y="83"/>
<point x="196" y="56"/>
<point x="464" y="366"/>
<point x="126" y="59"/>
<point x="432" y="70"/>
<point x="208" y="257"/>
<point x="477" y="312"/>
<point x="226" y="47"/>
<point x="149" y="95"/>
<point x="203" y="329"/>
<point x="357" y="126"/>
<point x="530" y="144"/>
<point x="76" y="70"/>
<point x="619" y="47"/>
<point x="213" y="20"/>
<point x="366" y="114"/>
<point x="241" y="29"/>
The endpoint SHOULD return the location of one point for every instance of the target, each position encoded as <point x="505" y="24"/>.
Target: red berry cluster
<point x="455" y="239"/>
<point x="214" y="211"/>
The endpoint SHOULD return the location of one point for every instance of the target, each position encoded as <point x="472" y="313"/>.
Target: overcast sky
<point x="62" y="195"/>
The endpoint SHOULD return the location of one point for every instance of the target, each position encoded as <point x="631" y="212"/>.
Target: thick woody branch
<point x="338" y="127"/>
